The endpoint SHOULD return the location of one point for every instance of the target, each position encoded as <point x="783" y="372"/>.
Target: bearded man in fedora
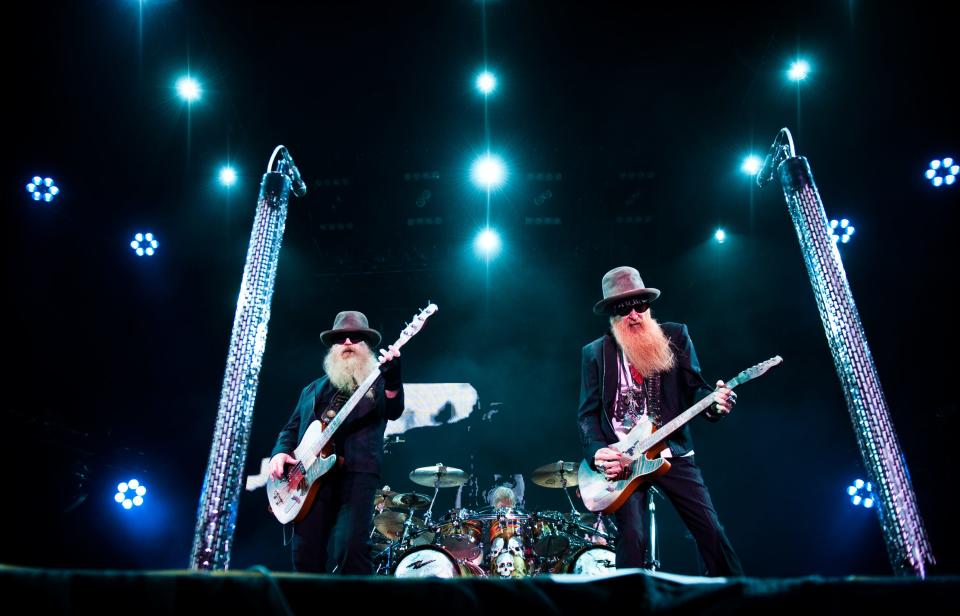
<point x="334" y="537"/>
<point x="644" y="370"/>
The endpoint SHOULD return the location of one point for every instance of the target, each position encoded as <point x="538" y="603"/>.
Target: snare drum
<point x="433" y="561"/>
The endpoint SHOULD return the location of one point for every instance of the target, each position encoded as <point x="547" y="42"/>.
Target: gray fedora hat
<point x="622" y="283"/>
<point x="352" y="323"/>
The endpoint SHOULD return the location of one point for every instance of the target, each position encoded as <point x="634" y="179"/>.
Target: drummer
<point x="502" y="498"/>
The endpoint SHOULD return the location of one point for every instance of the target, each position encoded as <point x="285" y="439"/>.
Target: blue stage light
<point x="861" y="493"/>
<point x="841" y="231"/>
<point x="188" y="88"/>
<point x="42" y="189"/>
<point x="751" y="165"/>
<point x="144" y="244"/>
<point x="942" y="172"/>
<point x="487" y="243"/>
<point x="130" y="494"/>
<point x="488" y="172"/>
<point x="486" y="82"/>
<point x="720" y="236"/>
<point x="228" y="176"/>
<point x="799" y="70"/>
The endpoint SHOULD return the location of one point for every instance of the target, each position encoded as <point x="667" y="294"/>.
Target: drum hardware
<point x="438" y="476"/>
<point x="653" y="563"/>
<point x="497" y="542"/>
<point x="409" y="500"/>
<point x="558" y="474"/>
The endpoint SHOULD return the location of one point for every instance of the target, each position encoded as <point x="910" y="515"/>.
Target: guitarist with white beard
<point x="335" y="534"/>
<point x="644" y="371"/>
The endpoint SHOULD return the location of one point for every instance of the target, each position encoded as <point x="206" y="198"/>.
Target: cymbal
<point x="554" y="475"/>
<point x="440" y="476"/>
<point x="410" y="500"/>
<point x="384" y="497"/>
<point x="390" y="523"/>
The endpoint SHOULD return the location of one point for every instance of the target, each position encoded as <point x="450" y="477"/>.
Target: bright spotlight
<point x="751" y="165"/>
<point x="842" y="231"/>
<point x="941" y="172"/>
<point x="720" y="236"/>
<point x="488" y="172"/>
<point x="228" y="176"/>
<point x="124" y="496"/>
<point x="487" y="243"/>
<point x="42" y="189"/>
<point x="144" y="244"/>
<point x="861" y="494"/>
<point x="799" y="70"/>
<point x="486" y="82"/>
<point x="188" y="88"/>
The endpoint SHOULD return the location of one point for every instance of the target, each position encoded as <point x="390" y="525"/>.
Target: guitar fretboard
<point x="635" y="439"/>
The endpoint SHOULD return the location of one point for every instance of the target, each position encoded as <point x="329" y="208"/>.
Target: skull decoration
<point x="511" y="546"/>
<point x="505" y="565"/>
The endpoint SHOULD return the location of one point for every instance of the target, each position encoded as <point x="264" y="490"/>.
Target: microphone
<point x="778" y="152"/>
<point x="299" y="186"/>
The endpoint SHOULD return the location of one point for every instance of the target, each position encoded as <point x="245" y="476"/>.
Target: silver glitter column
<point x="220" y="499"/>
<point x="907" y="544"/>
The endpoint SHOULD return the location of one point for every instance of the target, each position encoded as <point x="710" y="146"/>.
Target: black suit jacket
<point x="681" y="387"/>
<point x="359" y="439"/>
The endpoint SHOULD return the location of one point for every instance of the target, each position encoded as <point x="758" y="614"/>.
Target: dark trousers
<point x="335" y="535"/>
<point x="683" y="485"/>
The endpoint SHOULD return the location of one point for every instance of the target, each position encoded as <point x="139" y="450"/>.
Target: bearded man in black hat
<point x="643" y="370"/>
<point x="335" y="534"/>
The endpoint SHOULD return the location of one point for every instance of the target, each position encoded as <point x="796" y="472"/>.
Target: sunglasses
<point x="626" y="307"/>
<point x="341" y="338"/>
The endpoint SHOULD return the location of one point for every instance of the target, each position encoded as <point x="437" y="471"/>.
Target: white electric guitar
<point x="644" y="444"/>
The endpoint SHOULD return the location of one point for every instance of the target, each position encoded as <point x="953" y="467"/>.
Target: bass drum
<point x="433" y="561"/>
<point x="592" y="560"/>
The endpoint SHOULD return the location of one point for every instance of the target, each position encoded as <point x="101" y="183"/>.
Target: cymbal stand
<point x="428" y="516"/>
<point x="654" y="561"/>
<point x="563" y="484"/>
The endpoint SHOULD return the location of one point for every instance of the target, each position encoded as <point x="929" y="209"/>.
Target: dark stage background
<point x="115" y="362"/>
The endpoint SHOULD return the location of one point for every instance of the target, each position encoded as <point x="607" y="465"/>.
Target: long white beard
<point x="647" y="348"/>
<point x="346" y="373"/>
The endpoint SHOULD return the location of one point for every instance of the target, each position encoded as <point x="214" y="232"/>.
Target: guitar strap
<point x="336" y="403"/>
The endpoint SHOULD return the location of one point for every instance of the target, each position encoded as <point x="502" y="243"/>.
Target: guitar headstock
<point x="415" y="325"/>
<point x="757" y="370"/>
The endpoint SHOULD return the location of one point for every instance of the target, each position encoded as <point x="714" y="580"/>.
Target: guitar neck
<point x="635" y="437"/>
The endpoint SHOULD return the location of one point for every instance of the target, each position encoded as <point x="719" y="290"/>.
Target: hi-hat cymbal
<point x="558" y="474"/>
<point x="410" y="500"/>
<point x="440" y="476"/>
<point x="390" y="523"/>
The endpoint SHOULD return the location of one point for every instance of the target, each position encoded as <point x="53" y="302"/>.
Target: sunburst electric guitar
<point x="291" y="496"/>
<point x="644" y="444"/>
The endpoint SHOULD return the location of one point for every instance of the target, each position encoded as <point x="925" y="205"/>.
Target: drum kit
<point x="502" y="542"/>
